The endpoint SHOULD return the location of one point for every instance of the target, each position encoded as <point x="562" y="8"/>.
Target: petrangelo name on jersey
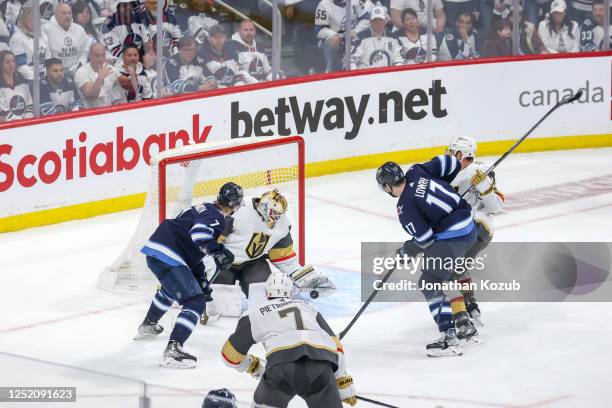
<point x="338" y="113"/>
<point x="275" y="306"/>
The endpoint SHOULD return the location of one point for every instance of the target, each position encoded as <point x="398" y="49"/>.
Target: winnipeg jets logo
<point x="67" y="41"/>
<point x="400" y="209"/>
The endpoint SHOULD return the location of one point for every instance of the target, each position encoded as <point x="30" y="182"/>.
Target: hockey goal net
<point x="193" y="174"/>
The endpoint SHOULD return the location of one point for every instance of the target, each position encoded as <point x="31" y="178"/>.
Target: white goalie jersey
<point x="483" y="206"/>
<point x="248" y="237"/>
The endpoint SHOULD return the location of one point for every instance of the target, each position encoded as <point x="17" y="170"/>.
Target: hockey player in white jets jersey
<point x="304" y="356"/>
<point x="485" y="199"/>
<point x="331" y="30"/>
<point x="374" y="48"/>
<point x="261" y="231"/>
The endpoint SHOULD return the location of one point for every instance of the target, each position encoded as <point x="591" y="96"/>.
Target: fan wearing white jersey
<point x="66" y="40"/>
<point x="261" y="231"/>
<point x="331" y="30"/>
<point x="485" y="199"/>
<point x="304" y="356"/>
<point x="374" y="48"/>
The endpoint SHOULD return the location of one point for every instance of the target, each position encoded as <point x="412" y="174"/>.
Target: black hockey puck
<point x="314" y="294"/>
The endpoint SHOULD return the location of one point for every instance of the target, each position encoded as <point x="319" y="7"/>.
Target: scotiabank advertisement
<point x="105" y="155"/>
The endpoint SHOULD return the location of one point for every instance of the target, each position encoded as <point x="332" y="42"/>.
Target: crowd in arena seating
<point x="103" y="52"/>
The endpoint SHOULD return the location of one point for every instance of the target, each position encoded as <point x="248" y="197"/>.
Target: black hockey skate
<point x="446" y="345"/>
<point x="467" y="333"/>
<point x="148" y="330"/>
<point x="175" y="356"/>
<point x="474" y="311"/>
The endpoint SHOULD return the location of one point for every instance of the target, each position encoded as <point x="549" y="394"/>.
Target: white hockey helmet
<point x="279" y="285"/>
<point x="271" y="206"/>
<point x="463" y="144"/>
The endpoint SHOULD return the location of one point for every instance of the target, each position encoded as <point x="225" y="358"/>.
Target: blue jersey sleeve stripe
<point x="442" y="159"/>
<point x="424" y="236"/>
<point x="196" y="237"/>
<point x="162" y="252"/>
<point x="204" y="227"/>
<point x="454" y="163"/>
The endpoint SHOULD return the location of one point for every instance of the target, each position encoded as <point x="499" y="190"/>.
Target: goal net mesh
<point x="194" y="174"/>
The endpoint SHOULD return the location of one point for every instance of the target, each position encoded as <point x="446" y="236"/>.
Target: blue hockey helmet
<point x="221" y="398"/>
<point x="231" y="194"/>
<point x="388" y="175"/>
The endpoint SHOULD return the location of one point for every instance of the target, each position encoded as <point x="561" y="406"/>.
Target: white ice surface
<point x="534" y="354"/>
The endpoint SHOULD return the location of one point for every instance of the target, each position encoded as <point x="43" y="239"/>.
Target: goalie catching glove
<point x="307" y="279"/>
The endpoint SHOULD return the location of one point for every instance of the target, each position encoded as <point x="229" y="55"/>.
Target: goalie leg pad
<point x="226" y="301"/>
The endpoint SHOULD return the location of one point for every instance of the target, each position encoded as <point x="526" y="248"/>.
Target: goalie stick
<point x="564" y="101"/>
<point x="371" y="401"/>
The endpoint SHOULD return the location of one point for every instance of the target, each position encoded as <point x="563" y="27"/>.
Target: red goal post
<point x="192" y="174"/>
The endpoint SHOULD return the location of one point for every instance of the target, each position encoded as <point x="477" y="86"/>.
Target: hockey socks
<point x="159" y="306"/>
<point x="187" y="320"/>
<point x="441" y="312"/>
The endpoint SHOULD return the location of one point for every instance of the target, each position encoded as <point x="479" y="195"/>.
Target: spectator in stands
<point x="222" y="61"/>
<point x="453" y="8"/>
<point x="11" y="11"/>
<point x="67" y="41"/>
<point x="15" y="97"/>
<point x="499" y="43"/>
<point x="186" y="72"/>
<point x="132" y="78"/>
<point x="413" y="39"/>
<point x="373" y="47"/>
<point x="97" y="80"/>
<point x="535" y="9"/>
<point x="580" y="10"/>
<point x="420" y="7"/>
<point x="122" y="27"/>
<point x="250" y="59"/>
<point x="592" y="30"/>
<point x="22" y="45"/>
<point x="82" y="15"/>
<point x="559" y="33"/>
<point x="330" y="28"/>
<point x="529" y="39"/>
<point x="149" y="62"/>
<point x="4" y="33"/>
<point x="461" y="42"/>
<point x="58" y="93"/>
<point x="171" y="31"/>
<point x="197" y="19"/>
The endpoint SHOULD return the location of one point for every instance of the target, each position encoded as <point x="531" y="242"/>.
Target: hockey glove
<point x="254" y="366"/>
<point x="409" y="249"/>
<point x="346" y="388"/>
<point x="307" y="279"/>
<point x="482" y="183"/>
<point x="207" y="291"/>
<point x="223" y="257"/>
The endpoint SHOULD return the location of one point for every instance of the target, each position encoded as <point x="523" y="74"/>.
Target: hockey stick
<point x="371" y="401"/>
<point x="564" y="101"/>
<point x="367" y="302"/>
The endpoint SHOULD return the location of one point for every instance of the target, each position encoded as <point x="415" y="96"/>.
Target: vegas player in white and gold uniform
<point x="259" y="232"/>
<point x="486" y="201"/>
<point x="304" y="356"/>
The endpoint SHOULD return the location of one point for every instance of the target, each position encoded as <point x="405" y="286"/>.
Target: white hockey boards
<point x="193" y="174"/>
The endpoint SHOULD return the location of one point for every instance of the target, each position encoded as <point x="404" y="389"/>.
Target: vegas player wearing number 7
<point x="442" y="227"/>
<point x="304" y="356"/>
